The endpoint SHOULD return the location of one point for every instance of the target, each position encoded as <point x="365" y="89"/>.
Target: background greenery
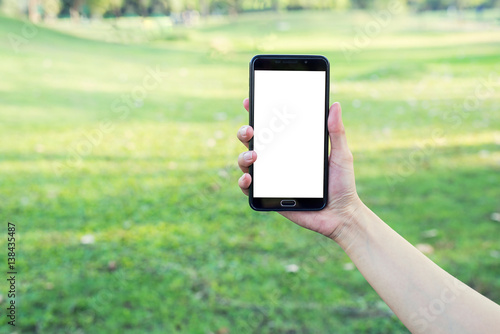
<point x="149" y="232"/>
<point x="49" y="9"/>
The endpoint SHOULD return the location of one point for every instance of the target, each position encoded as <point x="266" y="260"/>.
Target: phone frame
<point x="290" y="63"/>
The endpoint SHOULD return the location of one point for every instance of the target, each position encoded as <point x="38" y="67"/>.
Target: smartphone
<point x="289" y="100"/>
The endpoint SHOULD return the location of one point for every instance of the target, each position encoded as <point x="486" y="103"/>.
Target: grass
<point x="177" y="249"/>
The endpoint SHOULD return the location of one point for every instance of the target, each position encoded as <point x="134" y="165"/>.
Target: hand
<point x="343" y="200"/>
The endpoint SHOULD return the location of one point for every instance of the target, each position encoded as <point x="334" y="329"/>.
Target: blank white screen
<point x="289" y="113"/>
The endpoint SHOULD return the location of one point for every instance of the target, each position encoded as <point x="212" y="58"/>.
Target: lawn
<point x="123" y="184"/>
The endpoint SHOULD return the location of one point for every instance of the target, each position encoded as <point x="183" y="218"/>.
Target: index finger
<point x="246" y="104"/>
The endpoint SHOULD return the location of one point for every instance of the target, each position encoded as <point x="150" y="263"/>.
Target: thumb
<point x="336" y="130"/>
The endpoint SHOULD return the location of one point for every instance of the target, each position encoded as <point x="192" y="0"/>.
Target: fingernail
<point x="243" y="131"/>
<point x="248" y="156"/>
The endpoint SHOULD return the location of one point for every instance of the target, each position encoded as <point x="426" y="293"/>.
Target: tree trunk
<point x="74" y="11"/>
<point x="204" y="8"/>
<point x="33" y="13"/>
<point x="275" y="5"/>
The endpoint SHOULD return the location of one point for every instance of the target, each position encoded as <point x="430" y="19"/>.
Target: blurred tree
<point x="178" y="8"/>
<point x="341" y="4"/>
<point x="143" y="6"/>
<point x="204" y="8"/>
<point x="361" y="4"/>
<point x="33" y="11"/>
<point x="51" y="9"/>
<point x="98" y="7"/>
<point x="74" y="10"/>
<point x="445" y="4"/>
<point x="231" y="7"/>
<point x="159" y="7"/>
<point x="461" y="4"/>
<point x="115" y="6"/>
<point x="13" y="7"/>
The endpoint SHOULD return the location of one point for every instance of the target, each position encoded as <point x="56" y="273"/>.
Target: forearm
<point x="423" y="296"/>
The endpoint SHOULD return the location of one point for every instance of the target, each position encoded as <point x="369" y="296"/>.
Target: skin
<point x="425" y="298"/>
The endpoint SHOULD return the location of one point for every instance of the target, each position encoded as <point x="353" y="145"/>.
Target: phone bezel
<point x="290" y="63"/>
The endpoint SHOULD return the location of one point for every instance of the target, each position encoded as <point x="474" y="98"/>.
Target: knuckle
<point x="348" y="156"/>
<point x="339" y="130"/>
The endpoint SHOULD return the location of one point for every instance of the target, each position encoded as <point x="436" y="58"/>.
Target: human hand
<point x="343" y="200"/>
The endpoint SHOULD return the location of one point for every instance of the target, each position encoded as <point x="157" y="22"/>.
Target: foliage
<point x="98" y="7"/>
<point x="51" y="8"/>
<point x="166" y="7"/>
<point x="10" y="7"/>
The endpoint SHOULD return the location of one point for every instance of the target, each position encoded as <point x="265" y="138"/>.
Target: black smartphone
<point x="288" y="112"/>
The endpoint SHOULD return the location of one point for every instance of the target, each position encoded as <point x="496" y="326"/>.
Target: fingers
<point x="245" y="133"/>
<point x="336" y="130"/>
<point x="245" y="159"/>
<point x="244" y="183"/>
<point x="246" y="104"/>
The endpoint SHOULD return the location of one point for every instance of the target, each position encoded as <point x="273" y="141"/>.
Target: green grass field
<point x="150" y="171"/>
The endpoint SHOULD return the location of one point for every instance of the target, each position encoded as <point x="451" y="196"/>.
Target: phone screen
<point x="289" y="130"/>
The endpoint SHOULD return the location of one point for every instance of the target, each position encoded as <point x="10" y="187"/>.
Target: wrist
<point x="349" y="225"/>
